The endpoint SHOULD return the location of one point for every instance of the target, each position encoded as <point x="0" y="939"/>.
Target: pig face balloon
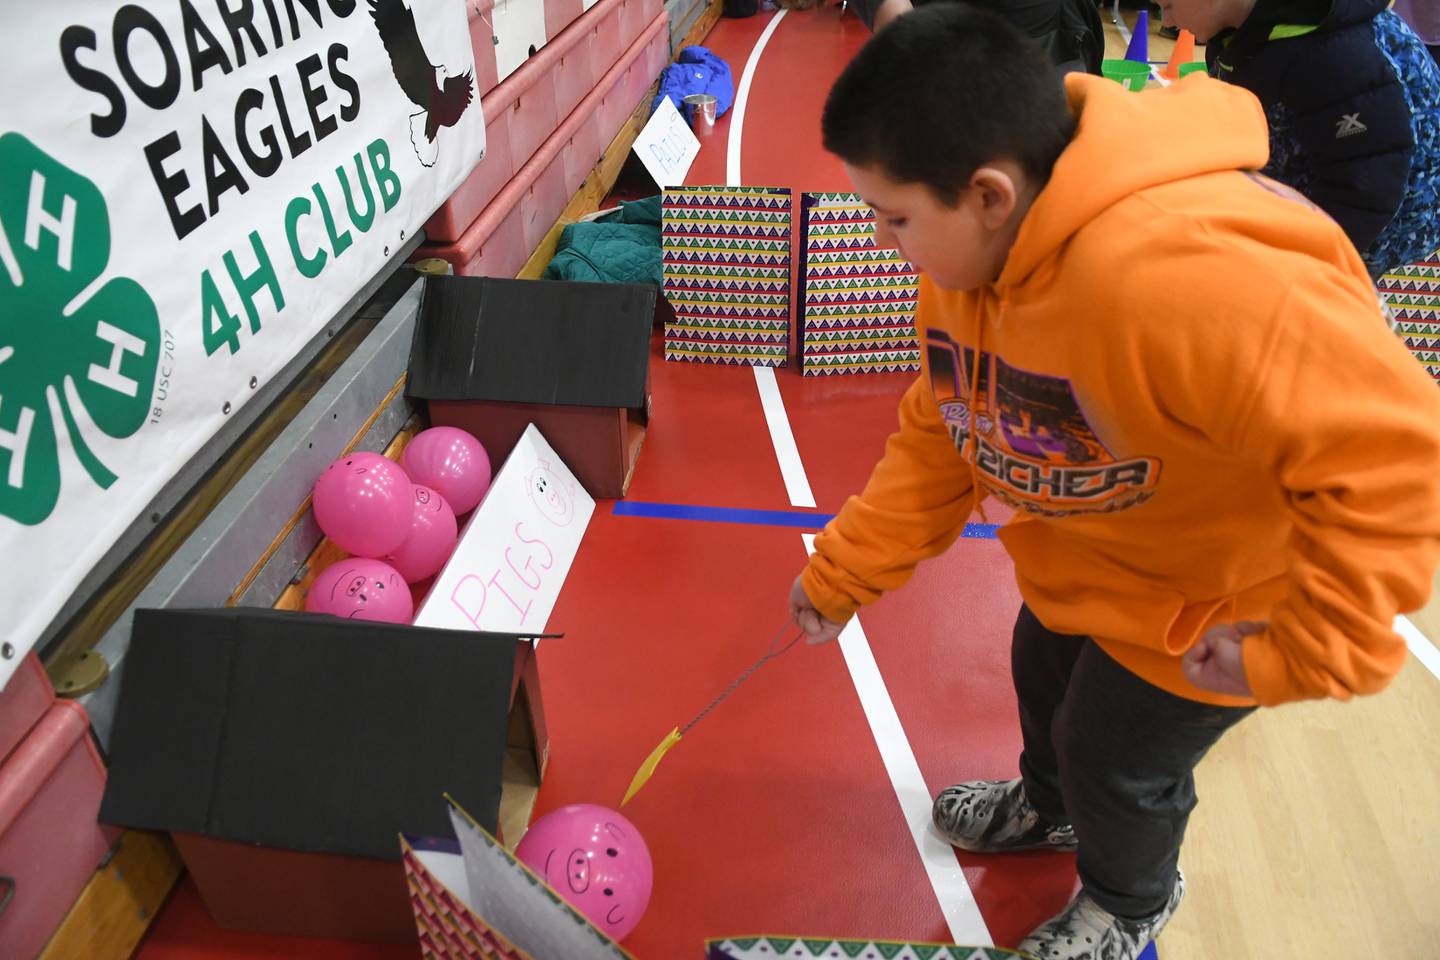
<point x="359" y="589"/>
<point x="596" y="860"/>
<point x="363" y="502"/>
<point x="451" y="461"/>
<point x="431" y="540"/>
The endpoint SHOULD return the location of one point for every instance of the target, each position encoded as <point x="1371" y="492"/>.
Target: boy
<point x="1353" y="101"/>
<point x="1225" y="471"/>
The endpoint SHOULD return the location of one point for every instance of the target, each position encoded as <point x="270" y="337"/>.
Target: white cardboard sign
<point x="667" y="146"/>
<point x="514" y="554"/>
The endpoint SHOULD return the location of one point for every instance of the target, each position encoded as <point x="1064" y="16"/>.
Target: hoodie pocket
<point x="1081" y="592"/>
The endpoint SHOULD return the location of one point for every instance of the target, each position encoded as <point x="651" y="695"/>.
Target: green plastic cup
<point x="1128" y="73"/>
<point x="1188" y="68"/>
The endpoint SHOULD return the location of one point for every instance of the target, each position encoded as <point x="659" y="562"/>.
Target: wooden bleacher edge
<point x="110" y="917"/>
<point x="603" y="175"/>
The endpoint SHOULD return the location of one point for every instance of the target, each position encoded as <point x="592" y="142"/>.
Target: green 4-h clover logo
<point x="76" y="356"/>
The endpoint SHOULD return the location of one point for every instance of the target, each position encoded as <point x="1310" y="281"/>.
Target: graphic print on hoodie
<point x="1037" y="450"/>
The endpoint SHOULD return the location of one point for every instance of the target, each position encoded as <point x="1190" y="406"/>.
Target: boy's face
<point x="1206" y="18"/>
<point x="961" y="247"/>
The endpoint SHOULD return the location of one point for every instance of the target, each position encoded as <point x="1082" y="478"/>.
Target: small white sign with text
<point x="516" y="551"/>
<point x="667" y="146"/>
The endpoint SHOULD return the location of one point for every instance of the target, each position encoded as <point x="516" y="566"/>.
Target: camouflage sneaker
<point x="1087" y="931"/>
<point x="988" y="816"/>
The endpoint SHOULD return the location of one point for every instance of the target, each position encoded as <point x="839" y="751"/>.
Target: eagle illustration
<point x="442" y="99"/>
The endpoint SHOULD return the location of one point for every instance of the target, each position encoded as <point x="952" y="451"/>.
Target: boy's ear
<point x="997" y="194"/>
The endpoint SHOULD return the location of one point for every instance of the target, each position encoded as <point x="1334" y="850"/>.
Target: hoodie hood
<point x="1209" y="127"/>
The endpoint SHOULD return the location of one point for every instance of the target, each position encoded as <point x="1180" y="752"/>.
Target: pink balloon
<point x="431" y="540"/>
<point x="452" y="461"/>
<point x="360" y="589"/>
<point x="363" y="502"/>
<point x="596" y="860"/>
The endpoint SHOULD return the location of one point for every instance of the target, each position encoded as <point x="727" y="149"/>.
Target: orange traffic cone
<point x="1184" y="53"/>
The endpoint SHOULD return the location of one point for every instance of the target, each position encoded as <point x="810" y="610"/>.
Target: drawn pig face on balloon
<point x="427" y="499"/>
<point x="552" y="494"/>
<point x="357" y="463"/>
<point x="604" y="873"/>
<point x="362" y="591"/>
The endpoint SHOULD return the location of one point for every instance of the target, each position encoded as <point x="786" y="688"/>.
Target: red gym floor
<point x="776" y="814"/>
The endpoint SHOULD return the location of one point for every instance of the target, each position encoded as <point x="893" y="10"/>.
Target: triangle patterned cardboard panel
<point x="715" y="270"/>
<point x="712" y="348"/>
<point x="851" y="356"/>
<point x="835" y="344"/>
<point x="726" y="267"/>
<point x="715" y="349"/>
<point x="738" y="309"/>
<point x="677" y="333"/>
<point x="850" y="283"/>
<point x="723" y="216"/>
<point x="730" y="285"/>
<point x="808" y="948"/>
<point x="704" y="322"/>
<point x="757" y="360"/>
<point x="724" y="244"/>
<point x="817" y="371"/>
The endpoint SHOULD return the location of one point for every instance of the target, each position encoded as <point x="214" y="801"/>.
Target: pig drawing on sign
<point x="522" y="575"/>
<point x="552" y="494"/>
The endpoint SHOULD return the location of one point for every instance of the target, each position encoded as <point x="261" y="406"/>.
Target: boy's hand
<point x="1215" y="663"/>
<point x="817" y="628"/>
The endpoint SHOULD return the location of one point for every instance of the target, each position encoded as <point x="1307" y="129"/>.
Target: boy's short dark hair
<point x="941" y="92"/>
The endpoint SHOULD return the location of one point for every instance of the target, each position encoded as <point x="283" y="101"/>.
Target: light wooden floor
<point x="1317" y="833"/>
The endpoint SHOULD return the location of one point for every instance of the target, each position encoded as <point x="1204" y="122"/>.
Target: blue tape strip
<point x="767" y="518"/>
<point x="682" y="511"/>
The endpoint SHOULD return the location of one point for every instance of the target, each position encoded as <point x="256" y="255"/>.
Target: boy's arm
<point x="914" y="506"/>
<point x="1358" y="150"/>
<point x="1349" y="424"/>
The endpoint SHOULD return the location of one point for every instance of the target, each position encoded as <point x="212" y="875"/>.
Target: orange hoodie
<point x="1188" y="393"/>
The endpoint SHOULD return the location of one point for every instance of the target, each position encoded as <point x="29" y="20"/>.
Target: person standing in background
<point x="1352" y="100"/>
<point x="1069" y="31"/>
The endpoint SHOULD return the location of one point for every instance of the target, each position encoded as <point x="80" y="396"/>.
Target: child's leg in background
<point x="1123" y="753"/>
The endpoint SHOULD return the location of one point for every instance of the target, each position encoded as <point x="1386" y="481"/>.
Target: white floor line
<point x="788" y="455"/>
<point x="952" y="890"/>
<point x="742" y="97"/>
<point x="793" y="472"/>
<point x="1419" y="645"/>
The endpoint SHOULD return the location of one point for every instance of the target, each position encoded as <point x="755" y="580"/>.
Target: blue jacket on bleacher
<point x="696" y="70"/>
<point x="1353" y="101"/>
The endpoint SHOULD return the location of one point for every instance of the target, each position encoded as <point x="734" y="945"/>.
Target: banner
<point x="189" y="191"/>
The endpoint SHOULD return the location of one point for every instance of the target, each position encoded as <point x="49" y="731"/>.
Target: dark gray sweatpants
<point x="1114" y="756"/>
